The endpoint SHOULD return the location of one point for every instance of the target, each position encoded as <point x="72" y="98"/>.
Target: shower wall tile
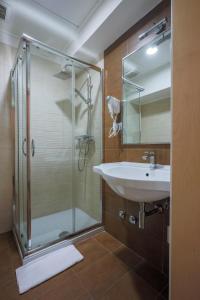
<point x="51" y="179"/>
<point x="7" y="55"/>
<point x="88" y="196"/>
<point x="51" y="197"/>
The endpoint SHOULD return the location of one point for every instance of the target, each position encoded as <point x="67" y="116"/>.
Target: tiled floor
<point x="110" y="271"/>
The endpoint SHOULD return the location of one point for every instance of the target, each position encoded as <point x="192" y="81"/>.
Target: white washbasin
<point x="136" y="181"/>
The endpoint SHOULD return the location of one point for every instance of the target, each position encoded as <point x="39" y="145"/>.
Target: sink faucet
<point x="151" y="157"/>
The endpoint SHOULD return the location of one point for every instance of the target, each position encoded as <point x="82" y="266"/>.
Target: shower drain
<point x="63" y="234"/>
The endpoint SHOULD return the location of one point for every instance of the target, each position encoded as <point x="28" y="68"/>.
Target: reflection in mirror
<point x="146" y="93"/>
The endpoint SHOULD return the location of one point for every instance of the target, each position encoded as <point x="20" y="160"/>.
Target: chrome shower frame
<point x="24" y="45"/>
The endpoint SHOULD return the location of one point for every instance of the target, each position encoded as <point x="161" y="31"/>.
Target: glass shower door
<point x="88" y="147"/>
<point x="51" y="148"/>
<point x="20" y="204"/>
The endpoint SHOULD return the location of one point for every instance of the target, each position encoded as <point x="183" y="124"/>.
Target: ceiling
<point x="83" y="29"/>
<point x="72" y="11"/>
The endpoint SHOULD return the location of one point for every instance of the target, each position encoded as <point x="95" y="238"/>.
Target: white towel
<point x="45" y="267"/>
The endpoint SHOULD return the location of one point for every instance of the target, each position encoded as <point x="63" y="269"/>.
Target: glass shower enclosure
<point x="58" y="138"/>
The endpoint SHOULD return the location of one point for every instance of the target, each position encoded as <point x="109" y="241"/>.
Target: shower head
<point x="63" y="75"/>
<point x="65" y="72"/>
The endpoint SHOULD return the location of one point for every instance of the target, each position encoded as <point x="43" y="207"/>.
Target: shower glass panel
<point x="51" y="148"/>
<point x="19" y="95"/>
<point x="88" y="112"/>
<point x="58" y="120"/>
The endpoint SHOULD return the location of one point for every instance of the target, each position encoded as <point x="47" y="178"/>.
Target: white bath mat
<point x="45" y="267"/>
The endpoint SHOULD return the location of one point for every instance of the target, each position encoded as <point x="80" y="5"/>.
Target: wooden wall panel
<point x="185" y="234"/>
<point x="152" y="246"/>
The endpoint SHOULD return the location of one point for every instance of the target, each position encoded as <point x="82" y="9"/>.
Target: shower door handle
<point x="33" y="147"/>
<point x="23" y="144"/>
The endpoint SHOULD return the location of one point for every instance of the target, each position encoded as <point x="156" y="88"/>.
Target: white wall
<point x="156" y="122"/>
<point x="7" y="55"/>
<point x="159" y="79"/>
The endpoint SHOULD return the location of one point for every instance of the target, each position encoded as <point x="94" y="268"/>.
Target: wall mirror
<point x="146" y="114"/>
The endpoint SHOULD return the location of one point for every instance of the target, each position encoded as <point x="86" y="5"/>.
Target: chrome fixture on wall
<point x="150" y="156"/>
<point x="85" y="141"/>
<point x="157" y="209"/>
<point x="143" y="213"/>
<point x="122" y="214"/>
<point x="158" y="28"/>
<point x="132" y="220"/>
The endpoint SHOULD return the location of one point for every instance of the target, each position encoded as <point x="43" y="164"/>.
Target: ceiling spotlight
<point x="152" y="50"/>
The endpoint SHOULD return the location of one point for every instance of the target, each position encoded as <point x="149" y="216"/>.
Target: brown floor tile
<point x="105" y="272"/>
<point x="108" y="241"/>
<point x="14" y="255"/>
<point x="65" y="285"/>
<point x="85" y="297"/>
<point x="5" y="260"/>
<point x="92" y="251"/>
<point x="7" y="276"/>
<point x="7" y="269"/>
<point x="156" y="279"/>
<point x="98" y="277"/>
<point x="61" y="287"/>
<point x="54" y="283"/>
<point x="5" y="238"/>
<point x="127" y="256"/>
<point x="10" y="292"/>
<point x="70" y="288"/>
<point x="130" y="287"/>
